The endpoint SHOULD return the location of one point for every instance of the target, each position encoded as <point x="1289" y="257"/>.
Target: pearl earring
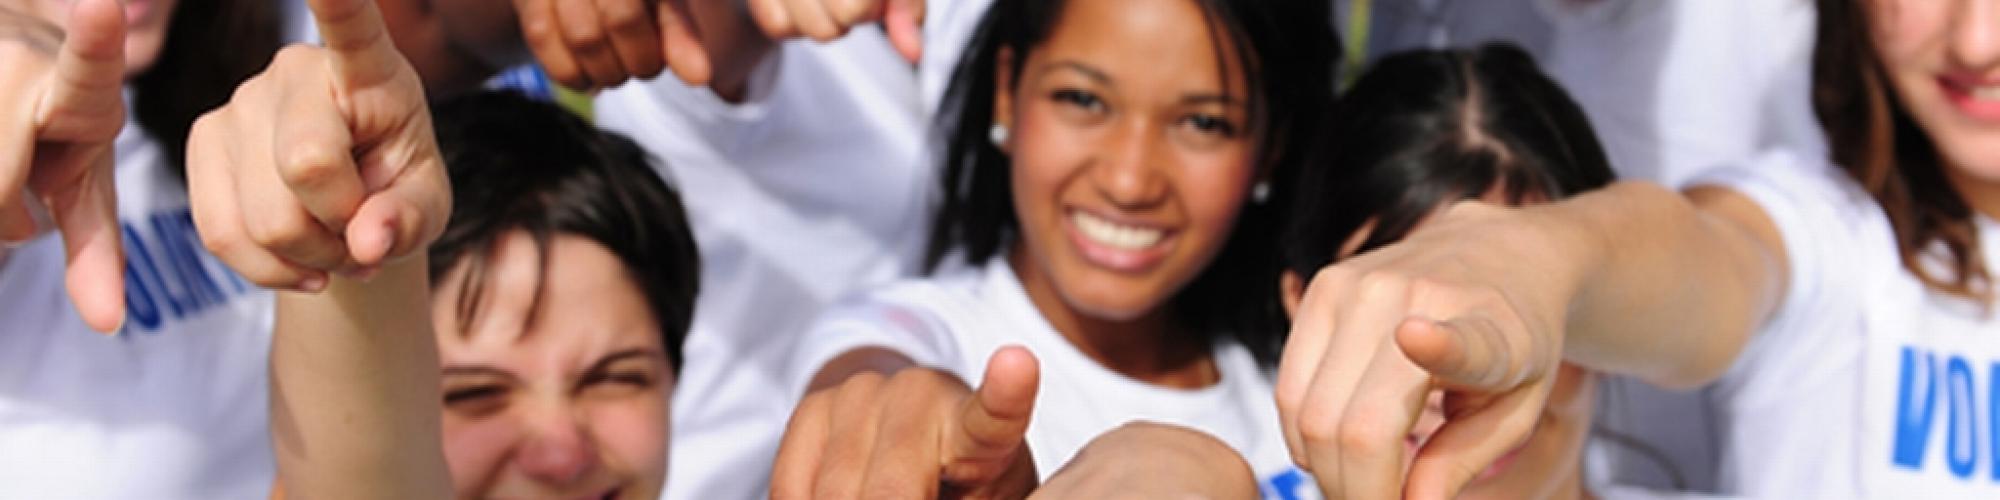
<point x="997" y="134"/>
<point x="1261" y="192"/>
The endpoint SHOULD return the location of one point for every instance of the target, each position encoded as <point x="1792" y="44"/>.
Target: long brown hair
<point x="1874" y="139"/>
<point x="211" y="47"/>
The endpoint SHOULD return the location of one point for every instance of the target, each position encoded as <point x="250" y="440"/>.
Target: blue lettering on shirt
<point x="1918" y="404"/>
<point x="1284" y="485"/>
<point x="169" y="275"/>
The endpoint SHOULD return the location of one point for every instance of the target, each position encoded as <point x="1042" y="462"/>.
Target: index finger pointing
<point x="84" y="103"/>
<point x="1464" y="353"/>
<point x="354" y="31"/>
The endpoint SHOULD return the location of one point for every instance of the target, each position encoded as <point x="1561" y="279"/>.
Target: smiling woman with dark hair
<point x="1103" y="255"/>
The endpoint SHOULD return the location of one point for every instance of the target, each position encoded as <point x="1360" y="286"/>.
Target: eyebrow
<point x="1104" y="79"/>
<point x="636" y="352"/>
<point x="476" y="370"/>
<point x="1085" y="69"/>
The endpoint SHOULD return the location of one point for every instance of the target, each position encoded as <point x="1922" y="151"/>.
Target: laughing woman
<point x="1842" y="304"/>
<point x="1103" y="211"/>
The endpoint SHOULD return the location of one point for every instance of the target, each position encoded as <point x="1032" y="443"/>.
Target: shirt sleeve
<point x="879" y="322"/>
<point x="1821" y="215"/>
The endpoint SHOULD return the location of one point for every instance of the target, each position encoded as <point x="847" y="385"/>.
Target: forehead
<point x="1171" y="42"/>
<point x="559" y="310"/>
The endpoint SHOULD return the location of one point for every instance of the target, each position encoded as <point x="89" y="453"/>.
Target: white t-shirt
<point x="1678" y="87"/>
<point x="173" y="406"/>
<point x="955" y="320"/>
<point x="1864" y="384"/>
<point x="816" y="187"/>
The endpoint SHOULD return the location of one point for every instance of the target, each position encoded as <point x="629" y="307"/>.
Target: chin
<point x="1110" y="303"/>
<point x="142" y="52"/>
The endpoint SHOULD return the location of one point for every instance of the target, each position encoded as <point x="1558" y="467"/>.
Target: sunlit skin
<point x="1940" y="57"/>
<point x="1549" y="465"/>
<point x="1126" y="115"/>
<point x="146" y="24"/>
<point x="558" y="386"/>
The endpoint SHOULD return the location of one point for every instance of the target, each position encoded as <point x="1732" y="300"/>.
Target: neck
<point x="1982" y="195"/>
<point x="1572" y="486"/>
<point x="1148" y="348"/>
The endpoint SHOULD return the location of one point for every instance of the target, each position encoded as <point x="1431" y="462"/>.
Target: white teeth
<point x="1986" y="93"/>
<point x="1114" y="235"/>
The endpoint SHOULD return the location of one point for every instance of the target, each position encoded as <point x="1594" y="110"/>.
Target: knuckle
<point x="539" y="29"/>
<point x="585" y="38"/>
<point x="1364" y="436"/>
<point x="1379" y="285"/>
<point x="1316" y="426"/>
<point x="278" y="232"/>
<point x="310" y="166"/>
<point x="625" y="15"/>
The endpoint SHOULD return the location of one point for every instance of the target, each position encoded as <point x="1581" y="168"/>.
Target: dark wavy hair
<point x="212" y="46"/>
<point x="516" y="163"/>
<point x="1875" y="141"/>
<point x="1290" y="53"/>
<point x="1425" y="128"/>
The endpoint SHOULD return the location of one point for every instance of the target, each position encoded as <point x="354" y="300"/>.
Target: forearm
<point x="354" y="381"/>
<point x="1672" y="286"/>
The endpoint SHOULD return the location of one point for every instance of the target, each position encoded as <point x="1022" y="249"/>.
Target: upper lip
<point x="1123" y="220"/>
<point x="1968" y="80"/>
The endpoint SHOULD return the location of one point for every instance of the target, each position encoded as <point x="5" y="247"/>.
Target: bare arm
<point x="354" y="390"/>
<point x="1485" y="302"/>
<point x="1679" y="283"/>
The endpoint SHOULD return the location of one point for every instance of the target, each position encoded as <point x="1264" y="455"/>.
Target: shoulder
<point x="914" y="317"/>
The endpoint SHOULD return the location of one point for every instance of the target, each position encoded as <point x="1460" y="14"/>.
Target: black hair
<point x="1289" y="52"/>
<point x="211" y="47"/>
<point x="1425" y="128"/>
<point x="516" y="163"/>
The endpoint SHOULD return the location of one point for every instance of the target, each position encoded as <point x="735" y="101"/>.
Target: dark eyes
<point x="1211" y="124"/>
<point x="1078" y="98"/>
<point x="622" y="378"/>
<point x="468" y="394"/>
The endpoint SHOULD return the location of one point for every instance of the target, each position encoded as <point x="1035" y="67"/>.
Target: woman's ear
<point x="1290" y="289"/>
<point x="1003" y="99"/>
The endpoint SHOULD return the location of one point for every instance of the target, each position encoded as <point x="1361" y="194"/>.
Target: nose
<point x="1975" y="39"/>
<point x="559" y="451"/>
<point x="1128" y="168"/>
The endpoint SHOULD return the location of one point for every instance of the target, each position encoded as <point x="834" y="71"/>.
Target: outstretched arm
<point x="321" y="178"/>
<point x="1486" y="301"/>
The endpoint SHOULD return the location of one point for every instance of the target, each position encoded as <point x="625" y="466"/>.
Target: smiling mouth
<point x="1114" y="235"/>
<point x="1120" y="247"/>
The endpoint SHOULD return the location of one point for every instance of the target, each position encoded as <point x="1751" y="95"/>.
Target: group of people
<point x="999" y="248"/>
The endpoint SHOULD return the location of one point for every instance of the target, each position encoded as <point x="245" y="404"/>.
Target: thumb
<point x="994" y="420"/>
<point x="904" y="21"/>
<point x="353" y="30"/>
<point x="83" y="101"/>
<point x="1467" y="353"/>
<point x="402" y="217"/>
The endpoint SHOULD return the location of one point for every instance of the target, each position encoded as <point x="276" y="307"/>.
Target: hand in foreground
<point x="1461" y="306"/>
<point x="60" y="96"/>
<point x="1149" y="460"/>
<point x="918" y="433"/>
<point x="323" y="163"/>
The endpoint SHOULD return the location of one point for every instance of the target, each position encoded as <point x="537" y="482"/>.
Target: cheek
<point x="475" y="450"/>
<point x="633" y="433"/>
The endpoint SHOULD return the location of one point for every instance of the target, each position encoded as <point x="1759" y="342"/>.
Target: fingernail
<point x="114" y="331"/>
<point x="389" y="243"/>
<point x="313" y="284"/>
